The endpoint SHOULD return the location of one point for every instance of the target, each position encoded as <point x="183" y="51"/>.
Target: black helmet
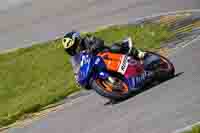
<point x="70" y="42"/>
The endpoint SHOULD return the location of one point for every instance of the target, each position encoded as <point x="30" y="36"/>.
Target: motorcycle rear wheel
<point x="164" y="67"/>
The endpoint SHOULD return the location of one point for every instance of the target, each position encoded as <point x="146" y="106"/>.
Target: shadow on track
<point x="113" y="102"/>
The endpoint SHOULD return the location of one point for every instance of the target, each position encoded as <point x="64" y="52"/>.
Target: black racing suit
<point x="95" y="45"/>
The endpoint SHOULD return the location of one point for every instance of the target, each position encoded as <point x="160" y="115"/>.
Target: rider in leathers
<point x="73" y="44"/>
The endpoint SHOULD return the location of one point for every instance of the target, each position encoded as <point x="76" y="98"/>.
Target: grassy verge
<point x="194" y="129"/>
<point x="34" y="77"/>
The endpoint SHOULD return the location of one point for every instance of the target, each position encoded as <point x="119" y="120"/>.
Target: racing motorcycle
<point x="111" y="74"/>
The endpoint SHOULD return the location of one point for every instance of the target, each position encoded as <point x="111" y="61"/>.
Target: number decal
<point x="124" y="64"/>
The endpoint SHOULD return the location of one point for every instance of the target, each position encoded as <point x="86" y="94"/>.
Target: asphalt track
<point x="162" y="109"/>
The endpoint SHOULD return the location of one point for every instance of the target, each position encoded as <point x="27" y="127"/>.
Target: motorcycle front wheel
<point x="110" y="90"/>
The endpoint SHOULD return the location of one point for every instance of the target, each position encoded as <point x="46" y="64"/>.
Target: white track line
<point x="187" y="129"/>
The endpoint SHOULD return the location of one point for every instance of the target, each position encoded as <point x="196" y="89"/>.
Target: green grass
<point x="195" y="129"/>
<point x="34" y="77"/>
<point x="145" y="36"/>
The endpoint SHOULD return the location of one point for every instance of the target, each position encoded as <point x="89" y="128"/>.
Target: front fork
<point x="106" y="76"/>
<point x="116" y="83"/>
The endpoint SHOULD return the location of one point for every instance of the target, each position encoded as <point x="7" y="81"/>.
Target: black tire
<point x="110" y="95"/>
<point x="167" y="73"/>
